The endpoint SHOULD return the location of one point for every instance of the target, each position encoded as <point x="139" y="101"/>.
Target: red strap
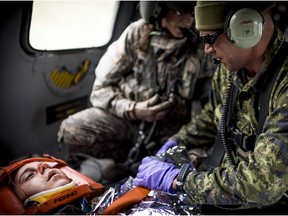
<point x="126" y="201"/>
<point x="4" y="171"/>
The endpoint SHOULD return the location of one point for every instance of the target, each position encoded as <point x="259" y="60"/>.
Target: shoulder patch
<point x="115" y="53"/>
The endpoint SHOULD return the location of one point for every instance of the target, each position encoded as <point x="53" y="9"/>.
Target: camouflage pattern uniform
<point x="125" y="73"/>
<point x="261" y="178"/>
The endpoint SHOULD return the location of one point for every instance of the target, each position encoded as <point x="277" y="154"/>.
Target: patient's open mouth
<point x="51" y="174"/>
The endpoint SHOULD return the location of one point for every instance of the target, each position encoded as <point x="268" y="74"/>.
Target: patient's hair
<point x="10" y="181"/>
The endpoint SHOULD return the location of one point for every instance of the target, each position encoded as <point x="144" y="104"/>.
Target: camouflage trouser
<point x="98" y="133"/>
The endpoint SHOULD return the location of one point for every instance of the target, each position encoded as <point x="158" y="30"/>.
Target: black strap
<point x="218" y="151"/>
<point x="264" y="104"/>
<point x="184" y="170"/>
<point x="214" y="160"/>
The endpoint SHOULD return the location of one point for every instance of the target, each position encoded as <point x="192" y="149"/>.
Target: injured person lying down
<point x="47" y="185"/>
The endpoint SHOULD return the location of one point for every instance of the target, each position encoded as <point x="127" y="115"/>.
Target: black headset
<point x="152" y="11"/>
<point x="244" y="26"/>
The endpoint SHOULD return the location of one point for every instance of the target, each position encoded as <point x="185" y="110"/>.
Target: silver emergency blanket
<point x="157" y="202"/>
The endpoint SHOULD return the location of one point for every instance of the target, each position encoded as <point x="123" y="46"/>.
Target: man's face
<point x="233" y="57"/>
<point x="175" y="21"/>
<point x="36" y="177"/>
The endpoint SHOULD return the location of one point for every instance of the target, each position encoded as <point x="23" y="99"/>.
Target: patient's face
<point x="36" y="177"/>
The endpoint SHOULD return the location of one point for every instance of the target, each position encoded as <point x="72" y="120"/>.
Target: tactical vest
<point x="245" y="144"/>
<point x="229" y="137"/>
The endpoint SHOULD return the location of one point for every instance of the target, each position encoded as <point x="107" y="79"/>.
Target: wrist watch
<point x="185" y="169"/>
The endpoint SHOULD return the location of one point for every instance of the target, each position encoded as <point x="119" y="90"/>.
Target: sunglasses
<point x="211" y="38"/>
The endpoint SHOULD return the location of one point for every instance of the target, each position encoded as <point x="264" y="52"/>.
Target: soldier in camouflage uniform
<point x="252" y="173"/>
<point x="152" y="73"/>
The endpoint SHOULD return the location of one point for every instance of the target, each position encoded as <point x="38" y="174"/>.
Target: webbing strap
<point x="218" y="150"/>
<point x="4" y="171"/>
<point x="132" y="197"/>
<point x="264" y="107"/>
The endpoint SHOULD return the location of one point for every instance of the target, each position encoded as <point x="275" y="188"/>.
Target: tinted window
<point x="60" y="25"/>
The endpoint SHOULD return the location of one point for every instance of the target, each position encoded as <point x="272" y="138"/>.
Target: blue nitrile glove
<point x="156" y="175"/>
<point x="169" y="144"/>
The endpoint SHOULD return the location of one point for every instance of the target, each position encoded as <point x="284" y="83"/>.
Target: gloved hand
<point x="149" y="110"/>
<point x="156" y="175"/>
<point x="169" y="144"/>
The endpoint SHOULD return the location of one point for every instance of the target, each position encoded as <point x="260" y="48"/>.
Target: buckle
<point x="236" y="136"/>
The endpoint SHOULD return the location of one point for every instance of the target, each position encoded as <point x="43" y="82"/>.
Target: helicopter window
<point x="66" y="24"/>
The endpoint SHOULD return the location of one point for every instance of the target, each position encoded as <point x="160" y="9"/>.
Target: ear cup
<point x="244" y="27"/>
<point x="151" y="11"/>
